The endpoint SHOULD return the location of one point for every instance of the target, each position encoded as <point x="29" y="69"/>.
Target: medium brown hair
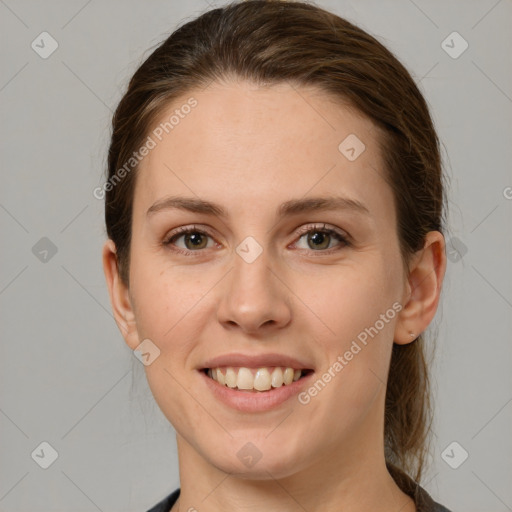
<point x="269" y="42"/>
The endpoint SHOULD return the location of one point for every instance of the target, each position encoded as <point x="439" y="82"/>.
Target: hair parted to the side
<point x="269" y="42"/>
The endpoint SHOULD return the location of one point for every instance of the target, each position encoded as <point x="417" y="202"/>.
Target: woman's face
<point x="264" y="279"/>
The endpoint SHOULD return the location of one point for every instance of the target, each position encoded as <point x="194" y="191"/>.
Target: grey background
<point x="67" y="377"/>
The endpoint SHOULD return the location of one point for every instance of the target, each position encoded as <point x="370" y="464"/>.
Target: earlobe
<point x="120" y="300"/>
<point x="422" y="289"/>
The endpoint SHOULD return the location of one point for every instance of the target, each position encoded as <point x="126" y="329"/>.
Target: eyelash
<point x="168" y="242"/>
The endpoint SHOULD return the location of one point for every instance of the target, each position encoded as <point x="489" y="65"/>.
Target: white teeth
<point x="277" y="378"/>
<point x="219" y="377"/>
<point x="245" y="379"/>
<point x="230" y="378"/>
<point x="262" y="380"/>
<point x="288" y="376"/>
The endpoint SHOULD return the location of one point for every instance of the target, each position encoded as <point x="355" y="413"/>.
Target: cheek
<point x="177" y="400"/>
<point x="351" y="315"/>
<point x="166" y="296"/>
<point x="345" y="301"/>
<point x="354" y="335"/>
<point x="172" y="311"/>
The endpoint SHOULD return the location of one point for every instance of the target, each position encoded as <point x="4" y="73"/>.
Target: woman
<point x="274" y="208"/>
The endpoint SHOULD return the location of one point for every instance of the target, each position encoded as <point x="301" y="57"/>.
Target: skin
<point x="249" y="149"/>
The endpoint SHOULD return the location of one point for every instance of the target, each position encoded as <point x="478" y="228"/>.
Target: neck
<point x="353" y="477"/>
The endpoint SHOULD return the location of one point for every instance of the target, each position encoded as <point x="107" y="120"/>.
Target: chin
<point x="259" y="461"/>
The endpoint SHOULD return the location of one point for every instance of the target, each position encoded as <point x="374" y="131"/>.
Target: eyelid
<point x="183" y="230"/>
<point x="343" y="236"/>
<point x="322" y="226"/>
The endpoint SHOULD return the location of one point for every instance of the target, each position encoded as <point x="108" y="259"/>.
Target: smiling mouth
<point x="255" y="379"/>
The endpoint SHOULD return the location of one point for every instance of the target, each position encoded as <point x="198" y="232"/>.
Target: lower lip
<point x="258" y="401"/>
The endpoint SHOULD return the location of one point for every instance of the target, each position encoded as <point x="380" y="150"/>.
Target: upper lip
<point x="256" y="361"/>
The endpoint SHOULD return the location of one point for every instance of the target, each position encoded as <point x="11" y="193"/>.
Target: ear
<point x="422" y="289"/>
<point x="119" y="296"/>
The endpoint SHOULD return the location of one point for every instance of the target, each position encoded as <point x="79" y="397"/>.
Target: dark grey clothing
<point x="422" y="500"/>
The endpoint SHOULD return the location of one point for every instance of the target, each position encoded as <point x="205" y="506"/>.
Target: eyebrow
<point x="288" y="208"/>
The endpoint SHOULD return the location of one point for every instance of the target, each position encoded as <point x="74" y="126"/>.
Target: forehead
<point x="240" y="144"/>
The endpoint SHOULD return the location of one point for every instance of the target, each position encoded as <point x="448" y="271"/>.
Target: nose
<point x="254" y="299"/>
